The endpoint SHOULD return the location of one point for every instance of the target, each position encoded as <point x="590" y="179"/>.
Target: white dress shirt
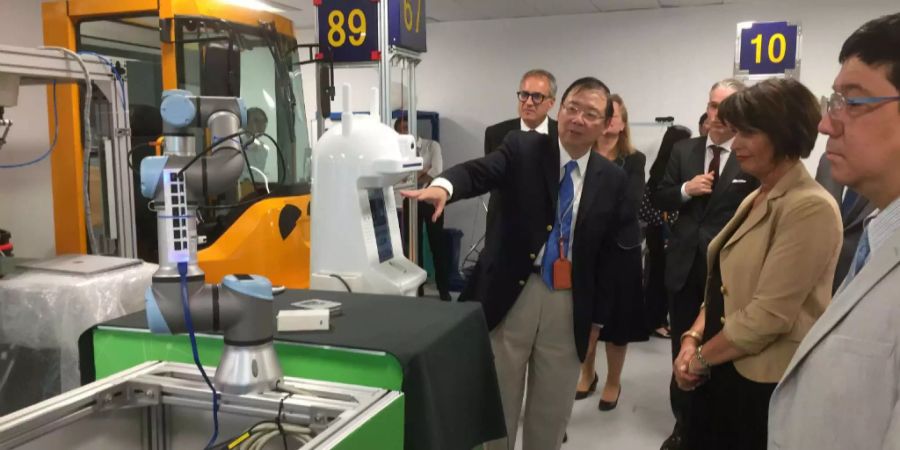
<point x="543" y="128"/>
<point x="578" y="183"/>
<point x="430" y="151"/>
<point x="883" y="225"/>
<point x="707" y="159"/>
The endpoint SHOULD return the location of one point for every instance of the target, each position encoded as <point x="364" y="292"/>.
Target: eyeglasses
<point x="588" y="115"/>
<point x="536" y="97"/>
<point x="837" y="102"/>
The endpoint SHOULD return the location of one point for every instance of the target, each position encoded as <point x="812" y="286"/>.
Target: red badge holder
<point x="562" y="271"/>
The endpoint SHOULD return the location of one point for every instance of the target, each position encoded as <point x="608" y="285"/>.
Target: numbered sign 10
<point x="767" y="49"/>
<point x="349" y="28"/>
<point x="406" y="20"/>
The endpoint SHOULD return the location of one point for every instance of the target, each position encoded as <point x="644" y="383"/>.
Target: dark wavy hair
<point x="877" y="43"/>
<point x="783" y="109"/>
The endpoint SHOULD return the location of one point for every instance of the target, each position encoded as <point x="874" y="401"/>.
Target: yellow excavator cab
<point x="210" y="48"/>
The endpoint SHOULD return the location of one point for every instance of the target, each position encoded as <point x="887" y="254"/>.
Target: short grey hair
<point x="541" y="73"/>
<point x="729" y="83"/>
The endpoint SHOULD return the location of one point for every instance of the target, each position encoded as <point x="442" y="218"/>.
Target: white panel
<point x="562" y="7"/>
<point x="623" y="5"/>
<point x="681" y="3"/>
<point x="301" y="12"/>
<point x="457" y="10"/>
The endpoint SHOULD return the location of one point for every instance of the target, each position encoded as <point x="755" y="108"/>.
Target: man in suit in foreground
<point x="704" y="183"/>
<point x="854" y="209"/>
<point x="548" y="276"/>
<point x="842" y="387"/>
<point x="536" y="95"/>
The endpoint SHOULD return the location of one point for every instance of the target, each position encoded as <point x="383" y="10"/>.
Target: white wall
<point x="26" y="200"/>
<point x="661" y="61"/>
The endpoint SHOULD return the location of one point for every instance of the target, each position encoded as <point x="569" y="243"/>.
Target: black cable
<point x="209" y="148"/>
<point x="334" y="275"/>
<point x="247" y="161"/>
<point x="132" y="149"/>
<point x="233" y="205"/>
<point x="280" y="156"/>
<point x="278" y="419"/>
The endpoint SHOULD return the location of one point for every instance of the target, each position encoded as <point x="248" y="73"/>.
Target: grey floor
<point x="643" y="418"/>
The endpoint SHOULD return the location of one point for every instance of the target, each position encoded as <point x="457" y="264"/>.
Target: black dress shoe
<point x="593" y="387"/>
<point x="609" y="406"/>
<point x="673" y="442"/>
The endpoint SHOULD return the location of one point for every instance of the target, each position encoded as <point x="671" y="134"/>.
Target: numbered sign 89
<point x="349" y="28"/>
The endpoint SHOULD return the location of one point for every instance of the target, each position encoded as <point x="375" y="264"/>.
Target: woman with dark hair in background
<point x="627" y="316"/>
<point x="657" y="222"/>
<point x="769" y="270"/>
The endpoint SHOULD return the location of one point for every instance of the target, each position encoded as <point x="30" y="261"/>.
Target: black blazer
<point x="853" y="220"/>
<point x="525" y="169"/>
<point x="700" y="218"/>
<point x="633" y="165"/>
<point x="493" y="136"/>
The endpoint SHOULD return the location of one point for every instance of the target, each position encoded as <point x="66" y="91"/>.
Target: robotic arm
<point x="241" y="306"/>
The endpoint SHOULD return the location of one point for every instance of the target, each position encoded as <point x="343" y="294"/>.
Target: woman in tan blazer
<point x="770" y="271"/>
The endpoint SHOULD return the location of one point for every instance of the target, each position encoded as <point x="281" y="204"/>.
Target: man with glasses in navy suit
<point x="536" y="97"/>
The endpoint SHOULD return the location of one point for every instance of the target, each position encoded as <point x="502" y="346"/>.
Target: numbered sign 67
<point x="767" y="49"/>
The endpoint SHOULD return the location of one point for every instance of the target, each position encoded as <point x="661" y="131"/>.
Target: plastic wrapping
<point x="43" y="313"/>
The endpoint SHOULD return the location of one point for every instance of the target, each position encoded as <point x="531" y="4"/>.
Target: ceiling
<point x="302" y="12"/>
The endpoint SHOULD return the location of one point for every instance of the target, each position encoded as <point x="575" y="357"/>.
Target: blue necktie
<point x="562" y="228"/>
<point x="847" y="203"/>
<point x="862" y="253"/>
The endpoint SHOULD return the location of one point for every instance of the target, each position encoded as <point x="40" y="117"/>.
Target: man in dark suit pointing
<point x="549" y="275"/>
<point x="536" y="96"/>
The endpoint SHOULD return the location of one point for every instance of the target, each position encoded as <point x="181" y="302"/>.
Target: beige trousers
<point x="536" y="336"/>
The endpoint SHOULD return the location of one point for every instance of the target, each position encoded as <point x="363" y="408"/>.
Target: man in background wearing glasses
<point x="548" y="276"/>
<point x="705" y="184"/>
<point x="842" y="388"/>
<point x="536" y="96"/>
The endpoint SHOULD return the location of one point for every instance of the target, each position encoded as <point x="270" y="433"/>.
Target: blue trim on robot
<point x="257" y="287"/>
<point x="155" y="319"/>
<point x="151" y="174"/>
<point x="177" y="109"/>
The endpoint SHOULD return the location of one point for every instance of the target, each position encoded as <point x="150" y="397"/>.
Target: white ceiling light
<point x="256" y="5"/>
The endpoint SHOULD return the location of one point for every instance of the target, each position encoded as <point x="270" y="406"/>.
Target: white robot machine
<point x="356" y="244"/>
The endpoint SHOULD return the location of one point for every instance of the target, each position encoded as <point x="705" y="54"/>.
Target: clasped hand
<point x="689" y="374"/>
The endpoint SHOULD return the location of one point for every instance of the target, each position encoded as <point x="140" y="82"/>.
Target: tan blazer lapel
<point x="795" y="176"/>
<point x="881" y="263"/>
<point x="716" y="245"/>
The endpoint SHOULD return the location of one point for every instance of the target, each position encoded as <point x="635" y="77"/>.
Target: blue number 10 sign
<point x="767" y="49"/>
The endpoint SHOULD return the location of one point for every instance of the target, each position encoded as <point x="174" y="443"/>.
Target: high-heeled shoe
<point x="593" y="387"/>
<point x="609" y="406"/>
